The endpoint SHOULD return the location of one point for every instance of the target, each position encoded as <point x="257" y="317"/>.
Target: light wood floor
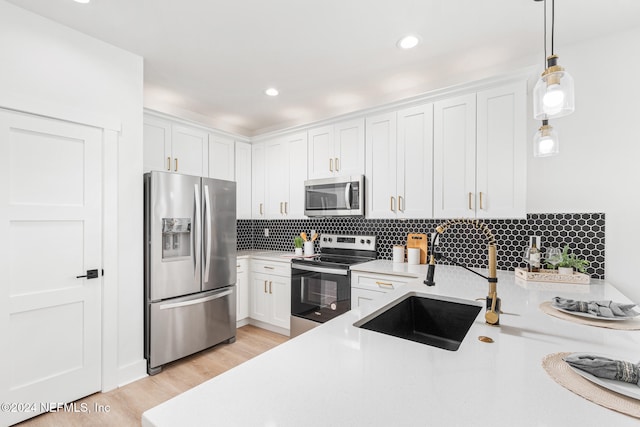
<point x="129" y="402"/>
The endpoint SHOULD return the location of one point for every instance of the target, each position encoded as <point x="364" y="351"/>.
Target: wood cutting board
<point x="418" y="240"/>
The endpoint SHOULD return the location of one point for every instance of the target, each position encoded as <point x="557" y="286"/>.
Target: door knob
<point x="91" y="274"/>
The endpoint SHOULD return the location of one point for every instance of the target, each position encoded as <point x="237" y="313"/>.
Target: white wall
<point x="52" y="70"/>
<point x="597" y="169"/>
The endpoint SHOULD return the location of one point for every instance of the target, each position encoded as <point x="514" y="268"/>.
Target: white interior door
<point x="51" y="226"/>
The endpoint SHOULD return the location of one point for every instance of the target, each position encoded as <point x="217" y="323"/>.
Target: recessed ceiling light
<point x="408" y="42"/>
<point x="272" y="91"/>
<point x="82" y="1"/>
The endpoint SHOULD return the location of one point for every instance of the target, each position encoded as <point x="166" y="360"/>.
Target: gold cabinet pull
<point x="337" y="165"/>
<point x="169" y="164"/>
<point x="481" y="200"/>
<point x="269" y="268"/>
<point x="286" y="207"/>
<point x="270" y="287"/>
<point x="330" y="165"/>
<point x="392" y="204"/>
<point x="238" y="265"/>
<point x="176" y="164"/>
<point x="260" y="208"/>
<point x="400" y="204"/>
<point x="281" y="212"/>
<point x="265" y="286"/>
<point x="470" y="201"/>
<point x="385" y="285"/>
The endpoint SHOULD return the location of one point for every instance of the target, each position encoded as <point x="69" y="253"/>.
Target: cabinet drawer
<point x="271" y="267"/>
<point x="378" y="282"/>
<point x="242" y="265"/>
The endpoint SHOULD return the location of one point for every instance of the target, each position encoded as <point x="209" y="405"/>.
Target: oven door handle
<point x="318" y="269"/>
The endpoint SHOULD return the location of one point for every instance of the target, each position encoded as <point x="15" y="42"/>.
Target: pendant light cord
<point x="553" y="22"/>
<point x="545" y="34"/>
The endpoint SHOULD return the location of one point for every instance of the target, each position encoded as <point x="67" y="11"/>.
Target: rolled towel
<point x="603" y="367"/>
<point x="597" y="308"/>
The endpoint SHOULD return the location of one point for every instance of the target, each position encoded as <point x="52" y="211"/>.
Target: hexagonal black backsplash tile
<point x="583" y="232"/>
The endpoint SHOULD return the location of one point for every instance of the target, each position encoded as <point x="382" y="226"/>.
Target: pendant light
<point x="545" y="141"/>
<point x="553" y="95"/>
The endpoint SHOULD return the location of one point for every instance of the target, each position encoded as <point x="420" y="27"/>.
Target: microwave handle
<point x="347" y="195"/>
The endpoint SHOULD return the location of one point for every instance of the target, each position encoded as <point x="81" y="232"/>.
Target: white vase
<point x="298" y="251"/>
<point x="565" y="270"/>
<point x="308" y="248"/>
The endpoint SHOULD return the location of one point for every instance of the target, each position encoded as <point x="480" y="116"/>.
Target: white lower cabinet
<point x="366" y="287"/>
<point x="271" y="293"/>
<point x="242" y="289"/>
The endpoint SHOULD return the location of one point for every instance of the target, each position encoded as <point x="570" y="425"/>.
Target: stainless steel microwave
<point x="340" y="196"/>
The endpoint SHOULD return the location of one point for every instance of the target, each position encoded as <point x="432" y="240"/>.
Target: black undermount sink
<point x="432" y="321"/>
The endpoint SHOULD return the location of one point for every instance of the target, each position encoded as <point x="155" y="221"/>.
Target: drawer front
<point x="242" y="266"/>
<point x="378" y="282"/>
<point x="363" y="297"/>
<point x="273" y="268"/>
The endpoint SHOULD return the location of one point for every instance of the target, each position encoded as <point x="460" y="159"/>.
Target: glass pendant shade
<point x="553" y="95"/>
<point x="545" y="141"/>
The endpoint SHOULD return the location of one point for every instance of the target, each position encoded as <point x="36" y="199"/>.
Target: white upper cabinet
<point x="286" y="171"/>
<point x="258" y="170"/>
<point x="174" y="148"/>
<point x="243" y="179"/>
<point x="399" y="158"/>
<point x="479" y="154"/>
<point x="454" y="170"/>
<point x="221" y="157"/>
<point x="189" y="149"/>
<point x="337" y="150"/>
<point x="501" y="152"/>
<point x="157" y="145"/>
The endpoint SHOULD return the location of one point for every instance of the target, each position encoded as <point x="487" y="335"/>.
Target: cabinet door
<point x="280" y="293"/>
<point x="381" y="166"/>
<point x="454" y="157"/>
<point x="242" y="286"/>
<point x="189" y="148"/>
<point x="363" y="297"/>
<point x="257" y="181"/>
<point x="415" y="162"/>
<point x="260" y="298"/>
<point x="297" y="168"/>
<point x="501" y="152"/>
<point x="349" y="148"/>
<point x="321" y="161"/>
<point x="221" y="157"/>
<point x="243" y="180"/>
<point x="276" y="178"/>
<point x="157" y="145"/>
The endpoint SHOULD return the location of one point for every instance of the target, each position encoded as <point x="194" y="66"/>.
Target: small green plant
<point x="297" y="242"/>
<point x="571" y="261"/>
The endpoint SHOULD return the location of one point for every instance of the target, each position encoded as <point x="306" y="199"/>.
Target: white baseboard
<point x="269" y="327"/>
<point x="132" y="372"/>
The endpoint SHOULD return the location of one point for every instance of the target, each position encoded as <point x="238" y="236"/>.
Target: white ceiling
<point x="211" y="60"/>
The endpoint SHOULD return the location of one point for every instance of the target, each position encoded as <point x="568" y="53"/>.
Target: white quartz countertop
<point x="266" y="255"/>
<point x="341" y="375"/>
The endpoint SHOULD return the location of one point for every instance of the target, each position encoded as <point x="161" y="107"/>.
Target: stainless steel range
<point x="321" y="285"/>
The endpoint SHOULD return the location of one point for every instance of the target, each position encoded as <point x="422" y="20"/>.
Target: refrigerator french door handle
<point x="207" y="212"/>
<point x="196" y="232"/>
<point x="347" y="195"/>
<point x="195" y="301"/>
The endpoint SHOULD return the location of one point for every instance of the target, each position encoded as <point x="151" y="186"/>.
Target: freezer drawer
<point x="182" y="326"/>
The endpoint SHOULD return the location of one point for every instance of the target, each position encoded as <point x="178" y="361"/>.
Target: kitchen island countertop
<point x="341" y="375"/>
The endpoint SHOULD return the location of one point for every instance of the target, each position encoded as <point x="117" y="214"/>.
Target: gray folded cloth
<point x="597" y="308"/>
<point x="603" y="367"/>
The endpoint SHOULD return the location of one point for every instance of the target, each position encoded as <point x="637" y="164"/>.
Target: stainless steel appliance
<point x="321" y="285"/>
<point x="340" y="196"/>
<point x="189" y="265"/>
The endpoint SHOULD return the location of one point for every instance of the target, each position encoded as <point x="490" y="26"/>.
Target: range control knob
<point x="362" y="241"/>
<point x="330" y="239"/>
<point x="368" y="241"/>
<point x="324" y="239"/>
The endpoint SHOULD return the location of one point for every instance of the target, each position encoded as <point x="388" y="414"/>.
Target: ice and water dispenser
<point x="176" y="237"/>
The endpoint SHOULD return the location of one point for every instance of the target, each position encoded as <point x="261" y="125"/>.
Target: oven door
<point x="319" y="293"/>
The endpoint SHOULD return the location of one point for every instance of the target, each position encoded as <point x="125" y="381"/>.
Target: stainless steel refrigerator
<point x="189" y="265"/>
